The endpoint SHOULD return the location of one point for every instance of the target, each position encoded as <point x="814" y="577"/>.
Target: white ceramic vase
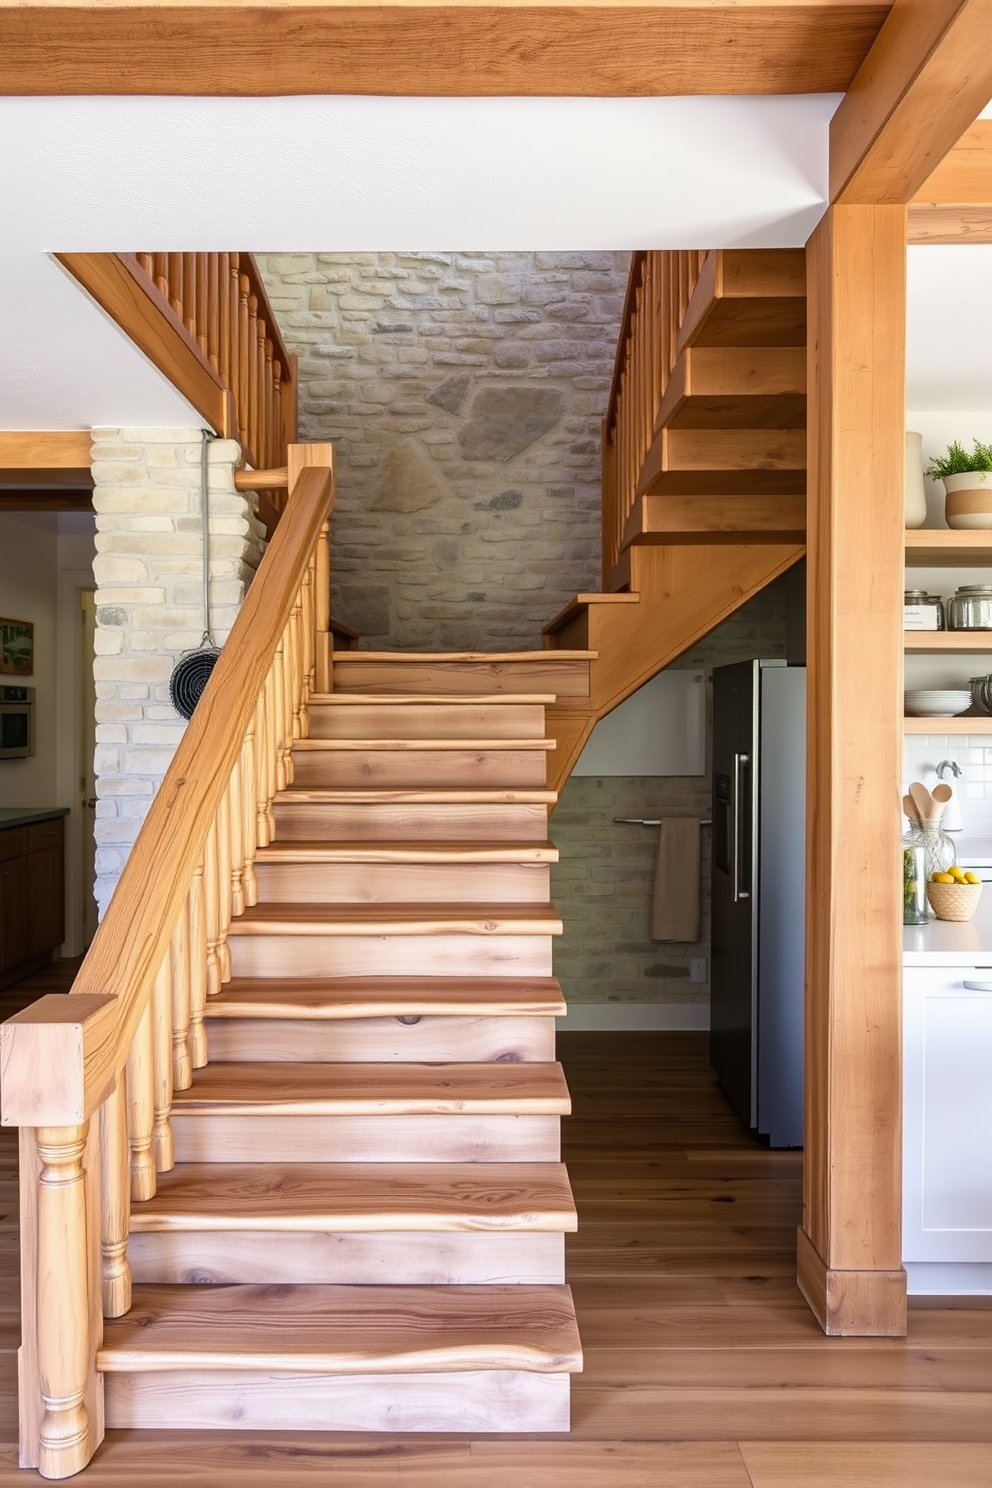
<point x="968" y="506"/>
<point x="915" y="494"/>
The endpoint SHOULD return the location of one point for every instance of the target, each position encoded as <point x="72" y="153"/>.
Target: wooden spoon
<point x="909" y="807"/>
<point x="922" y="800"/>
<point x="942" y="793"/>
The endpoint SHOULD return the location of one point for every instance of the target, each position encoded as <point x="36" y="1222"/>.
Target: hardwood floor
<point x="703" y="1366"/>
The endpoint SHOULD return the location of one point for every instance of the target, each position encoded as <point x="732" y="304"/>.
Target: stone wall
<point x="602" y="885"/>
<point x="463" y="393"/>
<point x="149" y="600"/>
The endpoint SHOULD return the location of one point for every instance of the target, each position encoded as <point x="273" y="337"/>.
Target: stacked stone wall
<point x="149" y="607"/>
<point x="463" y="393"/>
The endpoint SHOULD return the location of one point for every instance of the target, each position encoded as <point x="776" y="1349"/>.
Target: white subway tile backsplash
<point x="922" y="754"/>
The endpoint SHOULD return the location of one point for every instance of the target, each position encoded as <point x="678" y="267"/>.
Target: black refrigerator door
<point x="732" y="970"/>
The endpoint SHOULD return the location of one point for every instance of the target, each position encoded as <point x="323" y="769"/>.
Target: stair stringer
<point x="684" y="592"/>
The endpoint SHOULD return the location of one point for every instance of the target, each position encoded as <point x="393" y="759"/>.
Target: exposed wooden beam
<point x="118" y="285"/>
<point x="45" y="449"/>
<point x="954" y="204"/>
<point x="850" y="1267"/>
<point x="925" y="81"/>
<point x="581" y="48"/>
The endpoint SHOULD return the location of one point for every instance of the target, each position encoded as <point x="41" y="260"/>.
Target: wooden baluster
<point x="211" y="902"/>
<point x="279" y="715"/>
<point x="189" y="292"/>
<point x="141" y="1110"/>
<point x="272" y="716"/>
<point x="145" y="260"/>
<point x="224" y="317"/>
<point x="296" y="671"/>
<point x="160" y="273"/>
<point x="323" y="676"/>
<point x="214" y="283"/>
<point x="278" y="448"/>
<point x="262" y="835"/>
<point x="66" y="1351"/>
<point x="248" y="776"/>
<point x="251" y="367"/>
<point x="306" y="644"/>
<point x="236" y="835"/>
<point x="241" y="365"/>
<point x="223" y="827"/>
<point x="115" y="1192"/>
<point x="162" y="1144"/>
<point x="197" y="969"/>
<point x="267" y="404"/>
<point x="176" y="283"/>
<point x="179" y="953"/>
<point x="202" y="299"/>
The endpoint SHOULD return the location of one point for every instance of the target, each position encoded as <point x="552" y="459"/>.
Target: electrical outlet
<point x="697" y="969"/>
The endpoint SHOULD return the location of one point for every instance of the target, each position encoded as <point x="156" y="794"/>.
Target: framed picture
<point x="16" y="647"/>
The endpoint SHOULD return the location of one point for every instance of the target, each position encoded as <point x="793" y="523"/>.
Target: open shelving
<point x="944" y="548"/>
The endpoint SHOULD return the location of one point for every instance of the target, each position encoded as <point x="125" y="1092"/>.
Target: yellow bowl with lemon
<point x="954" y="895"/>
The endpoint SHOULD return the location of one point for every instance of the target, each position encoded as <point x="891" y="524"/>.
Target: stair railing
<point x="89" y="1077"/>
<point x="659" y="289"/>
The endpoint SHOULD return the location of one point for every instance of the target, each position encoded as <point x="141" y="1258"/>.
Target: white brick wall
<point x="149" y="599"/>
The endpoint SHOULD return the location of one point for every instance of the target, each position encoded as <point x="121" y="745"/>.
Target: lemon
<point x="942" y="878"/>
<point x="972" y="878"/>
<point x="956" y="873"/>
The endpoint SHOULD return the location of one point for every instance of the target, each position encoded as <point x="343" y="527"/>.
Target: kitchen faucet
<point x="951" y="765"/>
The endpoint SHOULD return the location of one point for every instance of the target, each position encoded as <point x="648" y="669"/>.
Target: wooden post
<point x="66" y="1352"/>
<point x="262" y="834"/>
<point x="211" y="911"/>
<point x="115" y="1202"/>
<point x="248" y="769"/>
<point x="196" y="909"/>
<point x="141" y="1110"/>
<point x="162" y="1143"/>
<point x="182" y="1067"/>
<point x="849" y="1245"/>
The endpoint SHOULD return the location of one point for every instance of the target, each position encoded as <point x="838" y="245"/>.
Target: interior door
<point x="87" y="754"/>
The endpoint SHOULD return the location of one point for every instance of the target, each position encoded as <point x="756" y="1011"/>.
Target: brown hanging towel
<point x="675" y="903"/>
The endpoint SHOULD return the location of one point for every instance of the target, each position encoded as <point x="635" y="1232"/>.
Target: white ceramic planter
<point x="913" y="489"/>
<point x="969" y="500"/>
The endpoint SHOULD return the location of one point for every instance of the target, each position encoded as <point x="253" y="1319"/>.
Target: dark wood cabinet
<point x="32" y="896"/>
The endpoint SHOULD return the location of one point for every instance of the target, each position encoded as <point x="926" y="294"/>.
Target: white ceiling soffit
<point x="412" y="173"/>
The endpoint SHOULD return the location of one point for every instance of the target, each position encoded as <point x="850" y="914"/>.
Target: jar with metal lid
<point x="922" y="611"/>
<point x="970" y="608"/>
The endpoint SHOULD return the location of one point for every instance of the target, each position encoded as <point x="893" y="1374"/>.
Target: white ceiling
<point x="343" y="174"/>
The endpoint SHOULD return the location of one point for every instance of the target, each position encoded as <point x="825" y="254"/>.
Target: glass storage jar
<point x="938" y="848"/>
<point x="914" y="894"/>
<point x="970" y="608"/>
<point x="922" y="611"/>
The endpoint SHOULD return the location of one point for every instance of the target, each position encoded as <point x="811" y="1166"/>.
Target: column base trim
<point x="851" y="1304"/>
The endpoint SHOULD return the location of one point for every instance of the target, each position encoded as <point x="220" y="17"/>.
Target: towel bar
<point x="649" y="821"/>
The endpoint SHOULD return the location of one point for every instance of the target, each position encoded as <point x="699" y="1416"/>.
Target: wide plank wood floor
<point x="703" y="1366"/>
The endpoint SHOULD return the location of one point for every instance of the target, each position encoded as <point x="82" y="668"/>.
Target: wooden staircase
<point x="704" y="471"/>
<point x="364" y="1227"/>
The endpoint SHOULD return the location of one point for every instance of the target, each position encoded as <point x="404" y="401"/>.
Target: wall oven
<point x="16" y="722"/>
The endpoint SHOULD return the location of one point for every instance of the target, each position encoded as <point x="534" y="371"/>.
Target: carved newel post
<point x="64" y="1344"/>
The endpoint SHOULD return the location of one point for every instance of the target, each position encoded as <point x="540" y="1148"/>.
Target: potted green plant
<point x="968" y="483"/>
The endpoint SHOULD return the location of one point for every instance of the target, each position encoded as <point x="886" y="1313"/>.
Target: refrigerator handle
<point x="740" y="761"/>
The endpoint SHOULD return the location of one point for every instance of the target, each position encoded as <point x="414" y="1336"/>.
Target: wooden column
<point x="849" y="1259"/>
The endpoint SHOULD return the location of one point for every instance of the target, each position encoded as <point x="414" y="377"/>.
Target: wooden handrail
<point x="132" y="1030"/>
<point x="659" y="289"/>
<point x="204" y="319"/>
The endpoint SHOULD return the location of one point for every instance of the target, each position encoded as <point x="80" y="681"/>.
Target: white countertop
<point x="948" y="943"/>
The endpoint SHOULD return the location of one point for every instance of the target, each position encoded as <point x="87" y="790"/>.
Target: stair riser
<point x="430" y="822"/>
<point x="400" y="769"/>
<point x="490" y="1400"/>
<point x="426" y="721"/>
<point x="563" y="678"/>
<point x="402" y="883"/>
<point x="390" y="955"/>
<point x="281" y="1139"/>
<point x="391" y="1258"/>
<point x="382" y="1040"/>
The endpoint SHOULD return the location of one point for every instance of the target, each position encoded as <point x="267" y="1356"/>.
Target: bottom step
<point x="391" y="1358"/>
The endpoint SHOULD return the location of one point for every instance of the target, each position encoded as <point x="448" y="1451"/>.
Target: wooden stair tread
<point x="376" y="1090"/>
<point x="398" y="919"/>
<point x="425" y="796"/>
<point x="423" y="746"/>
<point x="359" y="1198"/>
<point x="345" y="1329"/>
<point x="408" y="852"/>
<point x="582" y="601"/>
<point x="334" y="998"/>
<point x="416" y="699"/>
<point x="441" y="658"/>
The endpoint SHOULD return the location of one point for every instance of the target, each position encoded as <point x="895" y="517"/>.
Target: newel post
<point x="65" y="1350"/>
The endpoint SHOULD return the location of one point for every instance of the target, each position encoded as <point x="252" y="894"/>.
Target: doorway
<point x="86" y="693"/>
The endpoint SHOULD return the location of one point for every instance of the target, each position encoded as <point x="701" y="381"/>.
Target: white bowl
<point x="923" y="703"/>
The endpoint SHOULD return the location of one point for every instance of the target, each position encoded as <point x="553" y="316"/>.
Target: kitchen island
<point x="947" y="1105"/>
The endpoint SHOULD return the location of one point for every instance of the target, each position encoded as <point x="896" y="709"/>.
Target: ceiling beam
<point x="24" y="453"/>
<point x="925" y="81"/>
<point x="954" y="204"/>
<point x="581" y="48"/>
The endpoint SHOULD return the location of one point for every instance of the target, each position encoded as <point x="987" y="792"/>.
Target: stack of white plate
<point x="937" y="702"/>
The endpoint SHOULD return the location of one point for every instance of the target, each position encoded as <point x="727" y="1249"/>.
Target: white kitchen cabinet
<point x="947" y="1129"/>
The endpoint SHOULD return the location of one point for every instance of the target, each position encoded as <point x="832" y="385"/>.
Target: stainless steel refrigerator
<point x="759" y="826"/>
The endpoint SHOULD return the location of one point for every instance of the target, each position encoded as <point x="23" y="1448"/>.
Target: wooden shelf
<point x="946" y="642"/>
<point x="938" y="548"/>
<point x="959" y="725"/>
